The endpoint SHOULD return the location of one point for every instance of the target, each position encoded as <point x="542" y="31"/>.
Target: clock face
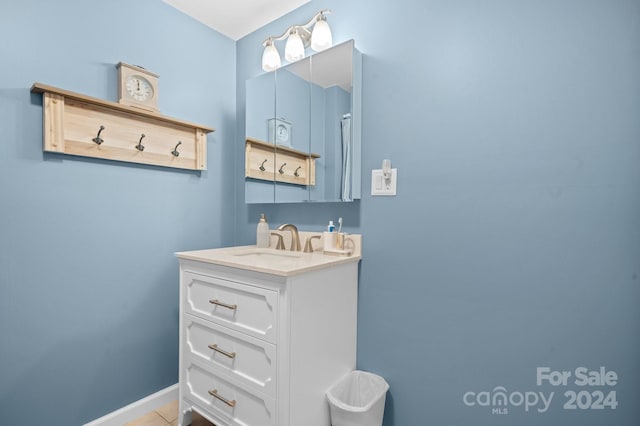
<point x="282" y="133"/>
<point x="279" y="131"/>
<point x="139" y="88"/>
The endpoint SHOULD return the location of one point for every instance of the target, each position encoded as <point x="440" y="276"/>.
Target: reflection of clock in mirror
<point x="280" y="132"/>
<point x="137" y="87"/>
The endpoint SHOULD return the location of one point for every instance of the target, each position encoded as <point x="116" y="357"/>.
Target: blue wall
<point x="88" y="280"/>
<point x="513" y="243"/>
<point x="514" y="240"/>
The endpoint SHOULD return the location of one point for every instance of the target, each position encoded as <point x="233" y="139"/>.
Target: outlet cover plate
<point x="382" y="186"/>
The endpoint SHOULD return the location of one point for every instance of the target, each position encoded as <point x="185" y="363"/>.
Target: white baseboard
<point x="138" y="408"/>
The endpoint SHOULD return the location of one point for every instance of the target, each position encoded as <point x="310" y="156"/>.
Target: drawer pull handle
<point x="214" y="393"/>
<point x="215" y="347"/>
<point x="224" y="305"/>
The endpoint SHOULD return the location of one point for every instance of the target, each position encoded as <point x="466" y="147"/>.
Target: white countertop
<point x="269" y="260"/>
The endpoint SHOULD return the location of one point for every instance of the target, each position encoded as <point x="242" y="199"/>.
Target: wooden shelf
<point x="72" y="121"/>
<point x="277" y="163"/>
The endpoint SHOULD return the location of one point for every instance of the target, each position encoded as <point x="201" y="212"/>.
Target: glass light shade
<point x="294" y="49"/>
<point x="270" y="58"/>
<point x="321" y="36"/>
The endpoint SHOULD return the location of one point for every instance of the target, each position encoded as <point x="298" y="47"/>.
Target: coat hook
<point x="140" y="147"/>
<point x="175" y="150"/>
<point x="296" y="174"/>
<point x="98" y="139"/>
<point x="281" y="171"/>
<point x="262" y="165"/>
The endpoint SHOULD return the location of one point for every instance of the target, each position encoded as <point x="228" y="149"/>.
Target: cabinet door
<point x="250" y="310"/>
<point x="292" y="107"/>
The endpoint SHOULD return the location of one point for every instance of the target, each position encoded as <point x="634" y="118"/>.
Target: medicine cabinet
<point x="303" y="130"/>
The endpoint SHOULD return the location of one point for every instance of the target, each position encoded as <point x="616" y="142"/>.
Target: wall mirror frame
<point x="304" y="130"/>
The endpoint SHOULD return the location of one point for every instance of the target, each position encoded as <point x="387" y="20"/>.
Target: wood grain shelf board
<point x="71" y="121"/>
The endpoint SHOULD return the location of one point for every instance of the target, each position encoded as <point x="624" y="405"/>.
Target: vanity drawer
<point x="241" y="307"/>
<point x="247" y="359"/>
<point x="226" y="400"/>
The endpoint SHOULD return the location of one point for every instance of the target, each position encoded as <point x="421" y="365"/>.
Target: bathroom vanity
<point x="264" y="334"/>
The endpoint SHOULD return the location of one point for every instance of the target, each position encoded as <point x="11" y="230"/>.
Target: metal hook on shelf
<point x="262" y="165"/>
<point x="281" y="171"/>
<point x="296" y="174"/>
<point x="175" y="150"/>
<point x="98" y="139"/>
<point x="140" y="147"/>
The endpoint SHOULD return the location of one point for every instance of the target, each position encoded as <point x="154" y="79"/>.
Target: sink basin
<point x="257" y="254"/>
<point x="269" y="254"/>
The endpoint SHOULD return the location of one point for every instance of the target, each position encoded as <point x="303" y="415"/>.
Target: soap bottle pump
<point x="262" y="233"/>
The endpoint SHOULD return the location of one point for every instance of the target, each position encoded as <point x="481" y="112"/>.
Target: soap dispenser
<point x="262" y="233"/>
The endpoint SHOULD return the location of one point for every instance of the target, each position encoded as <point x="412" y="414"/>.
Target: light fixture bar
<point x="298" y="38"/>
<point x="292" y="27"/>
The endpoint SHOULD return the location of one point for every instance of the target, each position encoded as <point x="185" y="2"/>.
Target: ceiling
<point x="236" y="18"/>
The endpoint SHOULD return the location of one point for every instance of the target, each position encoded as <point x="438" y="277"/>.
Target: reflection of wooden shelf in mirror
<point x="266" y="161"/>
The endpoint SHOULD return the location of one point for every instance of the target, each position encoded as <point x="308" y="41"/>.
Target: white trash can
<point x="358" y="400"/>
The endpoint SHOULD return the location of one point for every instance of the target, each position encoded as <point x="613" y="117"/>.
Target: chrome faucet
<point x="295" y="237"/>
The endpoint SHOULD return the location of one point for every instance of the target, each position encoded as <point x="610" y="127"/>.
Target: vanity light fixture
<point x="294" y="49"/>
<point x="298" y="38"/>
<point x="321" y="36"/>
<point x="270" y="56"/>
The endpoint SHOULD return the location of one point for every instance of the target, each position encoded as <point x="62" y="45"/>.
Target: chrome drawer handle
<point x="215" y="347"/>
<point x="214" y="393"/>
<point x="224" y="305"/>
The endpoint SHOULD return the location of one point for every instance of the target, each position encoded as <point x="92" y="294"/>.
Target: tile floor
<point x="167" y="416"/>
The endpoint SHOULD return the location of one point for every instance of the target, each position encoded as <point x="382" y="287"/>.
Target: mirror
<point x="303" y="136"/>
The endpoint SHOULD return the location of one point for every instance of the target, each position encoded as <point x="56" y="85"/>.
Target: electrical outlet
<point x="382" y="186"/>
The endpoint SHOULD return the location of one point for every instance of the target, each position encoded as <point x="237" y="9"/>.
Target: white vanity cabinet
<point x="262" y="349"/>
